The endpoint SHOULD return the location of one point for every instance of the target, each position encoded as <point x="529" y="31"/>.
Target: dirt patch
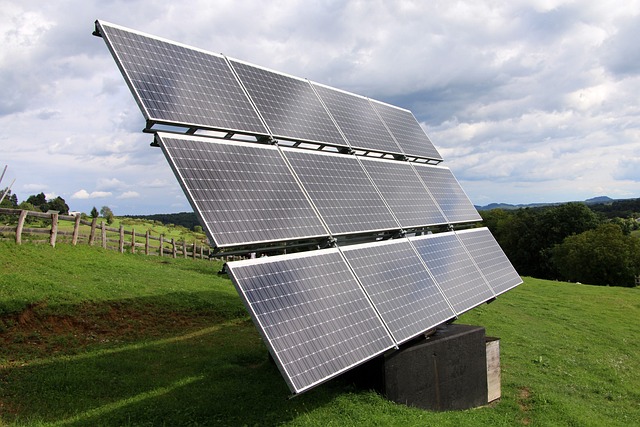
<point x="524" y="402"/>
<point x="36" y="332"/>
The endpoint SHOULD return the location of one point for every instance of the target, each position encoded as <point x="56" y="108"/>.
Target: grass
<point x="93" y="337"/>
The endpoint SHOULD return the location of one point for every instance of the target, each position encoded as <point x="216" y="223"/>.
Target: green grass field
<point x="94" y="337"/>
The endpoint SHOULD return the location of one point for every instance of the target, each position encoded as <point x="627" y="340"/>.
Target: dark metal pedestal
<point x="447" y="371"/>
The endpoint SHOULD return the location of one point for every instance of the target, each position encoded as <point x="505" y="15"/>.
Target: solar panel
<point x="179" y="84"/>
<point x="404" y="192"/>
<point x="453" y="269"/>
<point x="399" y="286"/>
<point x="313" y="315"/>
<point x="341" y="191"/>
<point x="407" y="131"/>
<point x="243" y="193"/>
<point x="289" y="105"/>
<point x="490" y="258"/>
<point x="357" y="119"/>
<point x="447" y="192"/>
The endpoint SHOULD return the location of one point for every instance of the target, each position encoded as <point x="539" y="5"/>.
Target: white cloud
<point x="524" y="99"/>
<point x="84" y="194"/>
<point x="129" y="195"/>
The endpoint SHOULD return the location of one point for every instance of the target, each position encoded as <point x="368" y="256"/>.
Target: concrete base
<point x="446" y="371"/>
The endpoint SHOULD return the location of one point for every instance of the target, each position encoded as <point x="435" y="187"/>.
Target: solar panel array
<point x="324" y="311"/>
<point x="380" y="294"/>
<point x="181" y="85"/>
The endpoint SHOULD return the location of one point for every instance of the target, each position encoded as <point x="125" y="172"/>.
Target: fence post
<point x="103" y="234"/>
<point x="184" y="248"/>
<point x="76" y="230"/>
<point x="133" y="240"/>
<point x="202" y="251"/>
<point x="146" y="243"/>
<point x="162" y="245"/>
<point x="92" y="233"/>
<point x="21" y="218"/>
<point x="173" y="246"/>
<point x="121" y="240"/>
<point x="194" y="249"/>
<point x="54" y="229"/>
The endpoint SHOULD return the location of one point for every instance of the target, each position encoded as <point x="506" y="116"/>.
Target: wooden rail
<point x="108" y="237"/>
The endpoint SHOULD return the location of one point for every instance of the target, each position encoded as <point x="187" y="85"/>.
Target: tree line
<point x="568" y="242"/>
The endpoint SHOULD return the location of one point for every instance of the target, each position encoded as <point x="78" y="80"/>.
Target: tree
<point x="603" y="256"/>
<point x="39" y="201"/>
<point x="107" y="214"/>
<point x="57" y="204"/>
<point x="95" y="213"/>
<point x="10" y="201"/>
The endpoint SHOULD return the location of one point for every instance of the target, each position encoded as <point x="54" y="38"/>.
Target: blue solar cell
<point x="400" y="287"/>
<point x="244" y="193"/>
<point x="404" y="192"/>
<point x="357" y="120"/>
<point x="489" y="257"/>
<point x="342" y="192"/>
<point x="173" y="83"/>
<point x="454" y="270"/>
<point x="407" y="131"/>
<point x="314" y="316"/>
<point x="448" y="194"/>
<point x="288" y="105"/>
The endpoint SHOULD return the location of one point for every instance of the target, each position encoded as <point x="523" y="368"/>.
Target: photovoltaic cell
<point x="358" y="120"/>
<point x="404" y="192"/>
<point x="341" y="191"/>
<point x="288" y="105"/>
<point x="406" y="131"/>
<point x="448" y="193"/>
<point x="399" y="286"/>
<point x="312" y="313"/>
<point x="182" y="85"/>
<point x="490" y="258"/>
<point x="454" y="270"/>
<point x="244" y="193"/>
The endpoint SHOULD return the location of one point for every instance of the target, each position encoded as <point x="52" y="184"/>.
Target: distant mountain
<point x="506" y="206"/>
<point x="599" y="200"/>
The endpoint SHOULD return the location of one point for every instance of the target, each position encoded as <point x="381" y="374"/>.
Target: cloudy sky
<point x="527" y="101"/>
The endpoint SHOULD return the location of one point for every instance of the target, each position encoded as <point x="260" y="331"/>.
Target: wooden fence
<point x="107" y="237"/>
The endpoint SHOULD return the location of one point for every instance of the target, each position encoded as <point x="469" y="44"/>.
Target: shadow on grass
<point x="219" y="375"/>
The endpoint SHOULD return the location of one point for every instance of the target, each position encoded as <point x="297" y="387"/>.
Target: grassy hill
<point x="94" y="337"/>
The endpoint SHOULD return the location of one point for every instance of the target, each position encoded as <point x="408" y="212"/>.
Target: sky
<point x="527" y="101"/>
